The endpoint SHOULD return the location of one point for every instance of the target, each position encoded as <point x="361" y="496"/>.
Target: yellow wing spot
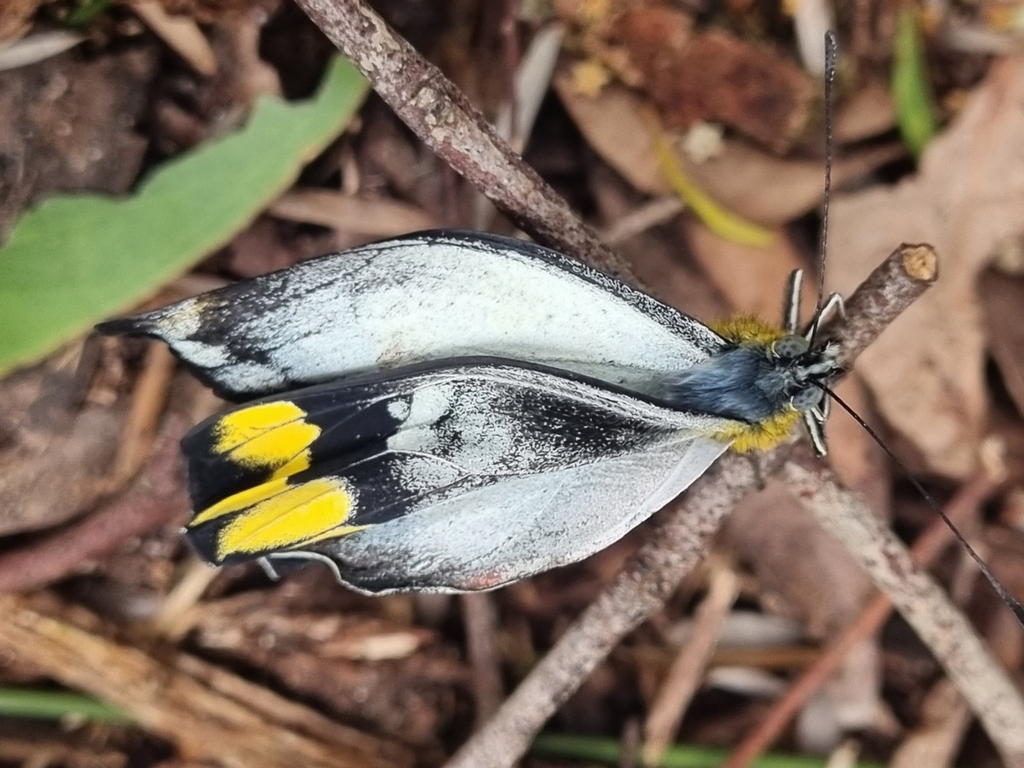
<point x="272" y="436"/>
<point x="747" y="331"/>
<point x="762" y="435"/>
<point x="275" y="515"/>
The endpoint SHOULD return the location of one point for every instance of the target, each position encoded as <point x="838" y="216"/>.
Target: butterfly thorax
<point x="762" y="379"/>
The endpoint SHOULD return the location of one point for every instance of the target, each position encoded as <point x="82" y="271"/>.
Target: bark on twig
<point x="687" y="671"/>
<point x="893" y="286"/>
<point x="442" y="117"/>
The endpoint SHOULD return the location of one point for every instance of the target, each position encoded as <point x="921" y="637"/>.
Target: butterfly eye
<point x="806" y="399"/>
<point x="791" y="346"/>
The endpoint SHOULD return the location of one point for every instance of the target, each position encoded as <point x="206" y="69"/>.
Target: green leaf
<point x="911" y="93"/>
<point x="77" y="259"/>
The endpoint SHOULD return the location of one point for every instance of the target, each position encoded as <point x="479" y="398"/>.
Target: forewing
<point x="282" y="436"/>
<point x="424" y="297"/>
<point x="454" y="477"/>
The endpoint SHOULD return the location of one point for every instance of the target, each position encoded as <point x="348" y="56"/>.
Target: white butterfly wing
<point x="425" y="297"/>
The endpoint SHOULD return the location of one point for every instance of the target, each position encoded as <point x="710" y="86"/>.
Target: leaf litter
<point x="397" y="668"/>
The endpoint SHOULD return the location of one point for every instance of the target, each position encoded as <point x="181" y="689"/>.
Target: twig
<point x="995" y="701"/>
<point x="892" y="287"/>
<point x="687" y="670"/>
<point x="157" y="496"/>
<point x="442" y="117"/>
<point x="148" y="398"/>
<point x="233" y="722"/>
<point x="676" y="546"/>
<point x="480" y="620"/>
<point x="878" y="609"/>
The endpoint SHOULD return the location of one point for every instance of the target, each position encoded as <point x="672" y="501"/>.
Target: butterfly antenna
<point x="831" y="55"/>
<point x="1011" y="602"/>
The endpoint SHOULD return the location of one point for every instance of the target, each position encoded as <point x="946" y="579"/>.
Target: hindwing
<point x="437" y="462"/>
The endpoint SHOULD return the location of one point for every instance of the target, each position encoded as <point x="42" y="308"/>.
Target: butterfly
<point x="453" y="411"/>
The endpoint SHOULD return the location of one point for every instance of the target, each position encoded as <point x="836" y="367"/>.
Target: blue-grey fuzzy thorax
<point x="749" y="383"/>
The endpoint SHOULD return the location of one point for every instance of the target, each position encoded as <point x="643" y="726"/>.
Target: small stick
<point x="893" y="286"/>
<point x="140" y="427"/>
<point x="687" y="671"/>
<point x="480" y="621"/>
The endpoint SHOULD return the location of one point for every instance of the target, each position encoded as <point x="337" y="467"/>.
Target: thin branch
<point x="480" y="619"/>
<point x="893" y="286"/>
<point x="442" y="117"/>
<point x="687" y="671"/>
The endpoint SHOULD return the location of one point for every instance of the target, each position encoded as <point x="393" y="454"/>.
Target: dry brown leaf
<point x="55" y="453"/>
<point x="927" y="370"/>
<point x="752" y="279"/>
<point x="1002" y="298"/>
<point x="869" y="112"/>
<point x="376" y="218"/>
<point x="744" y="180"/>
<point x="803" y="571"/>
<point x="66" y="124"/>
<point x="716" y="77"/>
<point x="776" y="191"/>
<point x="14" y="21"/>
<point x="614" y="126"/>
